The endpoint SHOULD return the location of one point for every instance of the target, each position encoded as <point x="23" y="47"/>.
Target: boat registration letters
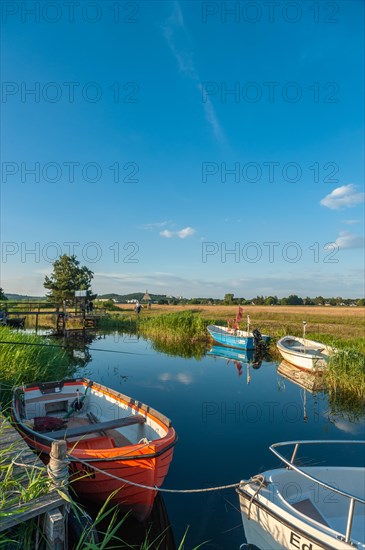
<point x="296" y="542"/>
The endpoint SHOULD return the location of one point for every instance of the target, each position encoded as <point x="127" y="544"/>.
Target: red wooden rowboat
<point x="103" y="428"/>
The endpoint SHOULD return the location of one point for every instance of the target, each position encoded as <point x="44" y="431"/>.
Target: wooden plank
<point x="97" y="427"/>
<point x="29" y="510"/>
<point x="21" y="453"/>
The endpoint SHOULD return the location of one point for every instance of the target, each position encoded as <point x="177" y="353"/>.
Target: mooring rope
<point x="68" y="347"/>
<point x="260" y="479"/>
<point x="155" y="488"/>
<point x="60" y="472"/>
<point x="57" y="470"/>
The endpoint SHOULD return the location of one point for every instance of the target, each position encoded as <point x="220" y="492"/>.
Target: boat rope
<point x="57" y="470"/>
<point x="154" y="488"/>
<point x="261" y="480"/>
<point x="58" y="473"/>
<point x="68" y="347"/>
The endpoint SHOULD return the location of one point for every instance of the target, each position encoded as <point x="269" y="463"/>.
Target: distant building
<point x="146" y="298"/>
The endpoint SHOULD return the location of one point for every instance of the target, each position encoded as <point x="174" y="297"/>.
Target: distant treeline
<point x="229" y="299"/>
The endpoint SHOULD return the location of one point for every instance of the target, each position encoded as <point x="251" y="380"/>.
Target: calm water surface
<point x="225" y="419"/>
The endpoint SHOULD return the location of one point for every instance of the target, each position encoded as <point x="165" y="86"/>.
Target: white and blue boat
<point x="314" y="504"/>
<point x="241" y="339"/>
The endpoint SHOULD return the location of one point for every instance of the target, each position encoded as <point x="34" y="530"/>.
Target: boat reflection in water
<point x="308" y="381"/>
<point x="239" y="357"/>
<point x="304" y="379"/>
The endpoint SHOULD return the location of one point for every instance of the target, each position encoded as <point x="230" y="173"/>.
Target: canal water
<point x="226" y="415"/>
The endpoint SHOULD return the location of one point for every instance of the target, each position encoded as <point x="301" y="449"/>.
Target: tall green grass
<point x="180" y="326"/>
<point x="26" y="358"/>
<point x="124" y="323"/>
<point x="345" y="376"/>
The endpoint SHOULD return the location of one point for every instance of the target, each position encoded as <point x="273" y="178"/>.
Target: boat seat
<point x="307" y="508"/>
<point x="97" y="427"/>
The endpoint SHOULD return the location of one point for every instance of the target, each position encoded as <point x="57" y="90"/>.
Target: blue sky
<point x="184" y="149"/>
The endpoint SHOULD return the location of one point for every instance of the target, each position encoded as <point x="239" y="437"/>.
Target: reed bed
<point x="177" y="326"/>
<point x="123" y="323"/>
<point x="345" y="375"/>
<point x="25" y="358"/>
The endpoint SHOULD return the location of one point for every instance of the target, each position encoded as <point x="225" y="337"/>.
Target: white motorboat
<point x="303" y="353"/>
<point x="306" y="508"/>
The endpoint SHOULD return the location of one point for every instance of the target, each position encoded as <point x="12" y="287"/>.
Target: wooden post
<point x="58" y="465"/>
<point x="55" y="522"/>
<point x="55" y="529"/>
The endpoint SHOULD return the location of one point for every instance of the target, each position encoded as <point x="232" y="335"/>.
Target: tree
<point x="294" y="300"/>
<point x="109" y="305"/>
<point x="228" y="298"/>
<point x="2" y="295"/>
<point x="271" y="301"/>
<point x="68" y="276"/>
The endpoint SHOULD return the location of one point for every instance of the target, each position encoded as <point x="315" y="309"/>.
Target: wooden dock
<point x="69" y="319"/>
<point x="50" y="507"/>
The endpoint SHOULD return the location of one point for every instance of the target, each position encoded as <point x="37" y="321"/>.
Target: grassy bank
<point x="25" y="358"/>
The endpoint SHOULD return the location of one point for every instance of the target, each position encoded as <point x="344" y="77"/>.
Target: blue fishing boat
<point x="241" y="339"/>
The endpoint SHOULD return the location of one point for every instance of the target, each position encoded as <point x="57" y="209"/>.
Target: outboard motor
<point x="257" y="338"/>
<point x="260" y="348"/>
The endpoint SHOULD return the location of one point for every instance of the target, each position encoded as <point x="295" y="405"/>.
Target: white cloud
<point x="186" y="232"/>
<point x="345" y="196"/>
<point x="349" y="240"/>
<point x="351" y="222"/>
<point x="166" y="233"/>
<point x="182" y="233"/>
<point x="182" y="377"/>
<point x="348" y="427"/>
